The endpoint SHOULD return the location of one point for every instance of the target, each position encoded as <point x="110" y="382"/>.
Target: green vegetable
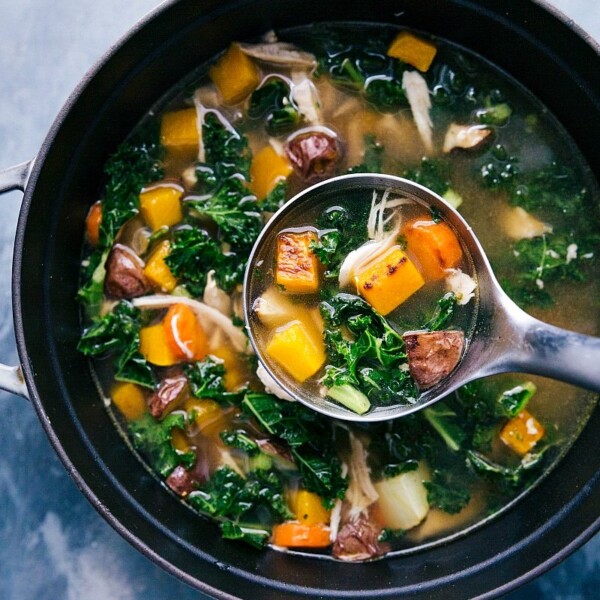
<point x="446" y="494"/>
<point x="350" y="397"/>
<point x="206" y="379"/>
<point x="444" y="311"/>
<point x="153" y="439"/>
<point x="386" y="93"/>
<point x="511" y="402"/>
<point x="370" y="358"/>
<point x="431" y="173"/>
<point x="226" y="150"/>
<point x="444" y="420"/>
<point x="275" y="198"/>
<point x="272" y="101"/>
<point x="194" y="253"/>
<point x="494" y="114"/>
<point x="239" y="439"/>
<point x="91" y="293"/>
<point x="309" y="436"/>
<point x="118" y="333"/>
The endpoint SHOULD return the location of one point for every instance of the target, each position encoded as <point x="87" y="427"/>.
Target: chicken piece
<point x="125" y="274"/>
<point x="417" y="92"/>
<point x="433" y="355"/>
<point x="466" y="137"/>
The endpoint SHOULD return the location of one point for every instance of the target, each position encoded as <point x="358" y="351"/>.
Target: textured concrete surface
<point x="53" y="544"/>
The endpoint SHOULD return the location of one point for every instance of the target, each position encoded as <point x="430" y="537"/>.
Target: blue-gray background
<point x="53" y="545"/>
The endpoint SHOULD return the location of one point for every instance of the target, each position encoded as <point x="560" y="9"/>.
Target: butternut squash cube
<point x="522" y="432"/>
<point x="297" y="349"/>
<point x="154" y="346"/>
<point x="309" y="508"/>
<point x="237" y="372"/>
<point x="413" y="50"/>
<point x="208" y="416"/>
<point x="390" y="281"/>
<point x="267" y="170"/>
<point x="179" y="441"/>
<point x="161" y="206"/>
<point x="297" y="268"/>
<point x="235" y="75"/>
<point x="434" y="245"/>
<point x="157" y="271"/>
<point x="179" y="132"/>
<point x="129" y="399"/>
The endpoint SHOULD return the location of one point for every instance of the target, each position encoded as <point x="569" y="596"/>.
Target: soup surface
<point x="167" y="242"/>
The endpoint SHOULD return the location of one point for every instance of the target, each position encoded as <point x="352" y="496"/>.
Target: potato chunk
<point x="297" y="349"/>
<point x="297" y="267"/>
<point x="389" y="282"/>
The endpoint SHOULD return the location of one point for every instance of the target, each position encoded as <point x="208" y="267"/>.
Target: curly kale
<point x="206" y="380"/>
<point x="118" y="333"/>
<point x="373" y="157"/>
<point x="272" y="102"/>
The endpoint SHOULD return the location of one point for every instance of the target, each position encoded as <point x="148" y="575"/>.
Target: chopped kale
<point x="118" y="333"/>
<point x="275" y="198"/>
<point x="272" y="102"/>
<point x="433" y="174"/>
<point x="241" y="440"/>
<point x="206" y="380"/>
<point x="373" y="157"/>
<point x="443" y="313"/>
<point x="153" y="439"/>
<point x="446" y="494"/>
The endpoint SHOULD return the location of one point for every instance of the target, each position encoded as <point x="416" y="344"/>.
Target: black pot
<point x="526" y="39"/>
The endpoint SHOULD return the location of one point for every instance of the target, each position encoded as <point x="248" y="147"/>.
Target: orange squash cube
<point x="434" y="245"/>
<point x="235" y="75"/>
<point x="161" y="206"/>
<point x="129" y="399"/>
<point x="267" y="170"/>
<point x="297" y="268"/>
<point x="389" y="282"/>
<point x="297" y="349"/>
<point x="522" y="432"/>
<point x="413" y="50"/>
<point x="308" y="508"/>
<point x="179" y="132"/>
<point x="157" y="271"/>
<point x="154" y="346"/>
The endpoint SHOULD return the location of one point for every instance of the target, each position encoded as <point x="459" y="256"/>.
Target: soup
<point x="167" y="242"/>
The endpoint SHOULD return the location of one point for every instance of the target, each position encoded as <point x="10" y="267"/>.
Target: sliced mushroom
<point x="466" y="137"/>
<point x="433" y="355"/>
<point x="280" y="53"/>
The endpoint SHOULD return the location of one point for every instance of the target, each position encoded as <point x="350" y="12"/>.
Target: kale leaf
<point x="272" y="102"/>
<point x="153" y="439"/>
<point x="431" y="173"/>
<point x="118" y="333"/>
<point x="194" y="253"/>
<point x="443" y="313"/>
<point x="364" y="351"/>
<point x="447" y="494"/>
<point x="206" y="379"/>
<point x="373" y="157"/>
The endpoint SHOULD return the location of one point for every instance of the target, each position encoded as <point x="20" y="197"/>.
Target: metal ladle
<point x="503" y="338"/>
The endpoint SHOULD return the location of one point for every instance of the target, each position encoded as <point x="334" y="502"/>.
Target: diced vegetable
<point x="92" y="223"/>
<point x="309" y="508"/>
<point x="267" y="170"/>
<point x="161" y="206"/>
<point x="207" y="414"/>
<point x="154" y="346"/>
<point x="389" y="282"/>
<point x="403" y="499"/>
<point x="434" y="245"/>
<point x="274" y="309"/>
<point x="413" y="50"/>
<point x="297" y="535"/>
<point x="236" y="367"/>
<point x="297" y="349"/>
<point x="522" y="432"/>
<point x="184" y="334"/>
<point x="157" y="270"/>
<point x="179" y="132"/>
<point x="129" y="399"/>
<point x="297" y="267"/>
<point x="179" y="441"/>
<point x="235" y="75"/>
<point x="350" y="397"/>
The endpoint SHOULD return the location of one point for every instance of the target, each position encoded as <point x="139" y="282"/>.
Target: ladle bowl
<point x="502" y="338"/>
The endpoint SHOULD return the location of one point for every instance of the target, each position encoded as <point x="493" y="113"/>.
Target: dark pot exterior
<point x="526" y="39"/>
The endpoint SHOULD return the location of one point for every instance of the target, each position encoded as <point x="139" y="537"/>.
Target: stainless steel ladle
<point x="503" y="338"/>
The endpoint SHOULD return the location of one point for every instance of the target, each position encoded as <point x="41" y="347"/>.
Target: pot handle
<point x="14" y="178"/>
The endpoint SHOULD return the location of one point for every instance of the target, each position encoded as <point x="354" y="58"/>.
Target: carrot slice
<point x="185" y="336"/>
<point x="434" y="245"/>
<point x="295" y="535"/>
<point x="92" y="223"/>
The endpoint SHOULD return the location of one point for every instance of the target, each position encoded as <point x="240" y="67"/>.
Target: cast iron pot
<point x="526" y="38"/>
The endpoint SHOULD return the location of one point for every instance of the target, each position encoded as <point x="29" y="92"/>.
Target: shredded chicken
<point x="306" y="98"/>
<point x="200" y="114"/>
<point x="518" y="224"/>
<point x="271" y="385"/>
<point x="203" y="312"/>
<point x="215" y="297"/>
<point x="461" y="284"/>
<point x="381" y="215"/>
<point x="417" y="92"/>
<point x="361" y="493"/>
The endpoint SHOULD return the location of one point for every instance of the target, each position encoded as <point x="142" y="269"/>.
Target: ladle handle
<point x="560" y="354"/>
